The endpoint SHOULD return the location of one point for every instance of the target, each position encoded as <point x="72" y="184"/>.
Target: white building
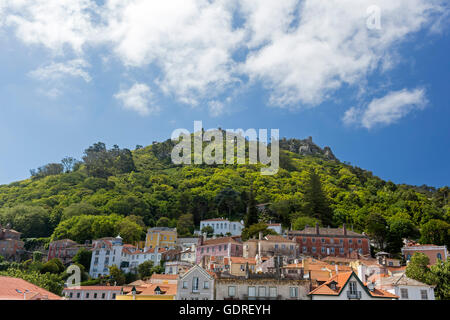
<point x="406" y="288"/>
<point x="91" y="292"/>
<point x="223" y="226"/>
<point x="132" y="257"/>
<point x="106" y="252"/>
<point x="275" y="227"/>
<point x="177" y="267"/>
<point x="347" y="286"/>
<point x="195" y="284"/>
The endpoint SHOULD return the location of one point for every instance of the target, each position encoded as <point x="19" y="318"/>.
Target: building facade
<point x="269" y="246"/>
<point x="223" y="227"/>
<point x="92" y="292"/>
<point x="433" y="252"/>
<point x="106" y="252"/>
<point x="64" y="250"/>
<point x="321" y="242"/>
<point x="261" y="287"/>
<point x="161" y="237"/>
<point x="196" y="284"/>
<point x="406" y="288"/>
<point x="219" y="247"/>
<point x="11" y="247"/>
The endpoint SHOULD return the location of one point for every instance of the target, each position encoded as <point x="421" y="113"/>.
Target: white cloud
<point x="138" y="98"/>
<point x="56" y="71"/>
<point x="216" y="108"/>
<point x="388" y="109"/>
<point x="301" y="50"/>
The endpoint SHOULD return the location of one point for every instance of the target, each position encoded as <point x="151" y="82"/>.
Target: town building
<point x="11" y="247"/>
<point x="176" y="267"/>
<point x="237" y="266"/>
<point x="64" y="250"/>
<point x="196" y="284"/>
<point x="131" y="257"/>
<point x="161" y="237"/>
<point x="275" y="227"/>
<point x="347" y="286"/>
<point x="223" y="227"/>
<point x="270" y="245"/>
<point x="261" y="287"/>
<point x="106" y="252"/>
<point x="219" y="247"/>
<point x="19" y="289"/>
<point x="92" y="292"/>
<point x="189" y="255"/>
<point x="433" y="252"/>
<point x="149" y="292"/>
<point x="321" y="242"/>
<point x="157" y="278"/>
<point x="404" y="287"/>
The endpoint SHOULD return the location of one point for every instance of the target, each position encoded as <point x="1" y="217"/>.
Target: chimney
<point x="317" y="228"/>
<point x="336" y="268"/>
<point x="345" y="229"/>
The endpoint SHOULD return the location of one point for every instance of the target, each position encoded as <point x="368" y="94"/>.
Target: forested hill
<point x="118" y="190"/>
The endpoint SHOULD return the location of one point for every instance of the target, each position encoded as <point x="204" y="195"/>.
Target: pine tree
<point x="251" y="217"/>
<point x="316" y="203"/>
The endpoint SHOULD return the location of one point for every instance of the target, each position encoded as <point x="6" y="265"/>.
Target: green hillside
<point x="119" y="190"/>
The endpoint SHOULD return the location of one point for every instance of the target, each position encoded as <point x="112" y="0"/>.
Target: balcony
<point x="354" y="295"/>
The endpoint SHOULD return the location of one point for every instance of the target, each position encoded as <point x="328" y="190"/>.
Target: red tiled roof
<point x="164" y="276"/>
<point x="8" y="286"/>
<point x="277" y="238"/>
<point x="243" y="260"/>
<point x="220" y="240"/>
<point x="94" y="288"/>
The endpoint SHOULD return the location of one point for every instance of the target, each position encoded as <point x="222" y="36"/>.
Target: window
<point x="206" y="285"/>
<point x="293" y="292"/>
<point x="87" y="295"/>
<point x="322" y="250"/>
<point x="331" y="240"/>
<point x="103" y="295"/>
<point x="359" y="241"/>
<point x="341" y="250"/>
<point x="323" y="240"/>
<point x="341" y="241"/>
<point x="332" y="250"/>
<point x="107" y="252"/>
<point x="352" y="287"/>
<point x="424" y="294"/>
<point x="283" y="246"/>
<point x="231" y="291"/>
<point x="272" y="292"/>
<point x="95" y="295"/>
<point x="242" y="267"/>
<point x="184" y="284"/>
<point x="276" y="246"/>
<point x="252" y="291"/>
<point x="261" y="291"/>
<point x="404" y="293"/>
<point x="439" y="256"/>
<point x="305" y="249"/>
<point x="78" y="295"/>
<point x="304" y="239"/>
<point x="194" y="284"/>
<point x="350" y="250"/>
<point x="114" y="296"/>
<point x="313" y="240"/>
<point x="314" y="249"/>
<point x="350" y="241"/>
<point x="71" y="294"/>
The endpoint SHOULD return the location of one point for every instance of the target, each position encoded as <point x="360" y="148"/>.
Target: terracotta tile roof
<point x="243" y="260"/>
<point x="8" y="286"/>
<point x="219" y="241"/>
<point x="215" y="219"/>
<point x="293" y="266"/>
<point x="382" y="294"/>
<point x="340" y="279"/>
<point x="94" y="288"/>
<point x="326" y="232"/>
<point x="278" y="239"/>
<point x="164" y="276"/>
<point x="149" y="289"/>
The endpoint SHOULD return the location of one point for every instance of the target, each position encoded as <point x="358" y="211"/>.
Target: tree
<point x="440" y="276"/>
<point x="229" y="199"/>
<point x="301" y="222"/>
<point x="252" y="212"/>
<point x="316" y="203"/>
<point x="78" y="209"/>
<point x="400" y="228"/>
<point x="68" y="163"/>
<point x="145" y="269"/>
<point x="254" y="230"/>
<point x="185" y="225"/>
<point x="163" y="222"/>
<point x="116" y="276"/>
<point x="208" y="230"/>
<point x="130" y="231"/>
<point x="32" y="221"/>
<point x="418" y="268"/>
<point x="377" y="229"/>
<point x="53" y="266"/>
<point x="83" y="257"/>
<point x="436" y="232"/>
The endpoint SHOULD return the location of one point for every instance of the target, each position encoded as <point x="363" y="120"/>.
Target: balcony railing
<point x="354" y="294"/>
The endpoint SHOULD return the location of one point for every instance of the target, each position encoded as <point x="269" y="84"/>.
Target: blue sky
<point x="130" y="72"/>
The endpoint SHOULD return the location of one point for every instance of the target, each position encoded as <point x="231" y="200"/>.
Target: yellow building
<point x="150" y="292"/>
<point x="161" y="237"/>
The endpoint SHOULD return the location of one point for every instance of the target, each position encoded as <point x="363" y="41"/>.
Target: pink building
<point x="219" y="247"/>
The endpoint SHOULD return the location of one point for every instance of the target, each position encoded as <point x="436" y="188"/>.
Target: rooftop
<point x="9" y="285"/>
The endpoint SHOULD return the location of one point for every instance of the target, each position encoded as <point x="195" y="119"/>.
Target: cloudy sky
<point x="369" y="78"/>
